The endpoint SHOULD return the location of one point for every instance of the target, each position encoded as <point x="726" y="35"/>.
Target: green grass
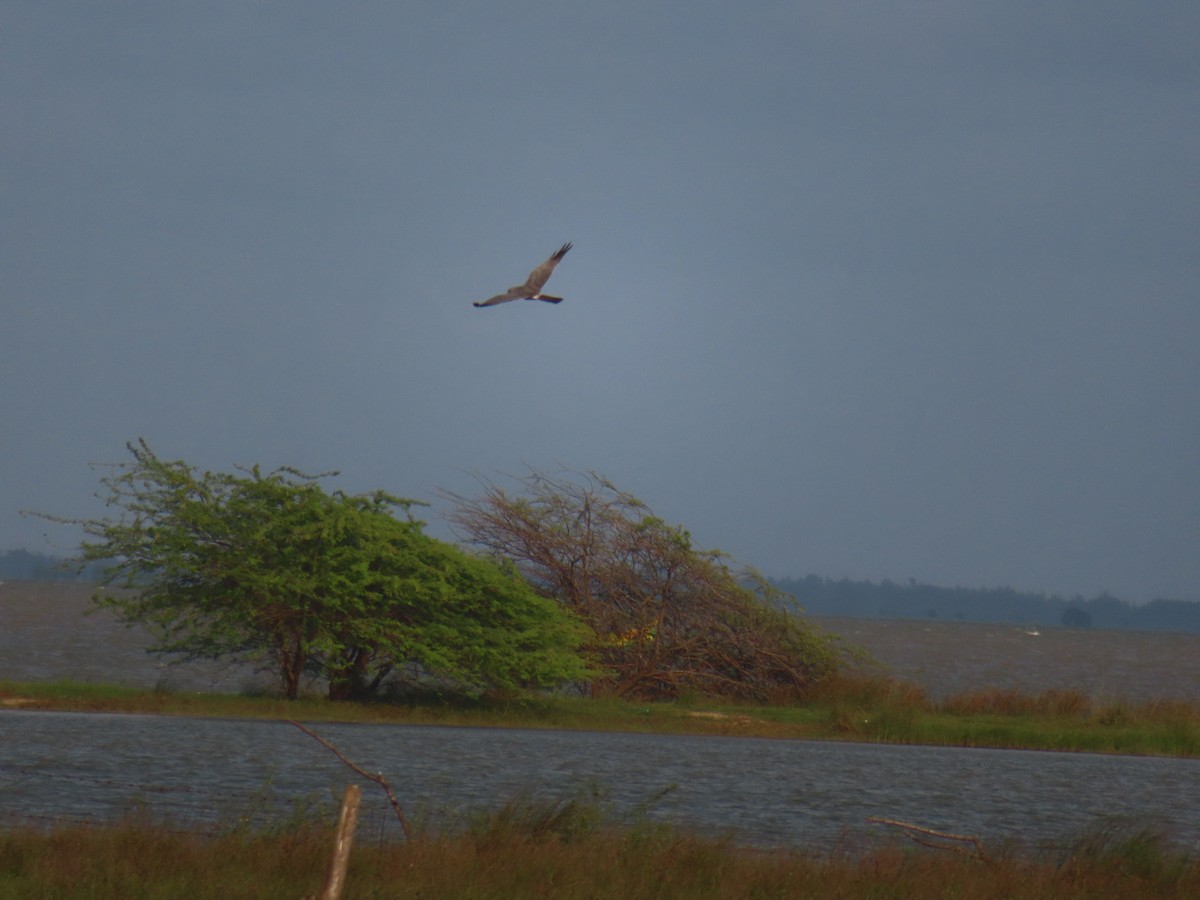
<point x="861" y="709"/>
<point x="566" y="851"/>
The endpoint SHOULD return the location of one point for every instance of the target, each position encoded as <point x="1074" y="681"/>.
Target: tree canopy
<point x="665" y="617"/>
<point x="273" y="568"/>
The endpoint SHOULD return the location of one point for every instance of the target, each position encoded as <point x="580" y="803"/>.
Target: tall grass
<point x="564" y="850"/>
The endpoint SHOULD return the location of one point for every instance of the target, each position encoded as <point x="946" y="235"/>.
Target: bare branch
<point x="666" y="615"/>
<point x="376" y="777"/>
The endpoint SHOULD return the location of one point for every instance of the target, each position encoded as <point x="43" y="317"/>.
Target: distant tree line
<point x="912" y="600"/>
<point x="821" y="596"/>
<point x="22" y="565"/>
<point x="841" y="597"/>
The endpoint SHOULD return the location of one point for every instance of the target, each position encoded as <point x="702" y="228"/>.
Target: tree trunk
<point x="349" y="681"/>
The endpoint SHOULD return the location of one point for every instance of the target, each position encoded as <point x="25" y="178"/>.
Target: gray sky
<point x="865" y="289"/>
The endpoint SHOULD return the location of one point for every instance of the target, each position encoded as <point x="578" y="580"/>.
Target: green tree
<point x="666" y="617"/>
<point x="272" y="568"/>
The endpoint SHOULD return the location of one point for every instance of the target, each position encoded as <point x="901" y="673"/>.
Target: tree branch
<point x="377" y="778"/>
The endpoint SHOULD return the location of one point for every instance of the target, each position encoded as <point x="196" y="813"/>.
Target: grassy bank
<point x="563" y="851"/>
<point x="865" y="709"/>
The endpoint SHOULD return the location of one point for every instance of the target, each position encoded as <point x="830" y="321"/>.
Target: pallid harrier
<point x="532" y="288"/>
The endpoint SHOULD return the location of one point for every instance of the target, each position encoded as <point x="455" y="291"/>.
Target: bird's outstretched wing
<point x="531" y="289"/>
<point x="539" y="276"/>
<point x="516" y="293"/>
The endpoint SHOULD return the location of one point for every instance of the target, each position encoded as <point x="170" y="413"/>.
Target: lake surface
<point x="953" y="657"/>
<point x="808" y="794"/>
<point x="802" y="793"/>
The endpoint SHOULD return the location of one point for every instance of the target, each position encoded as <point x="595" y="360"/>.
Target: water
<point x="952" y="657"/>
<point x="764" y="792"/>
<point x="51" y="631"/>
<point x="800" y="793"/>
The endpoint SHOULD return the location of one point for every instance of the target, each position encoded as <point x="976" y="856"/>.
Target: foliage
<point x="667" y="618"/>
<point x="274" y="568"/>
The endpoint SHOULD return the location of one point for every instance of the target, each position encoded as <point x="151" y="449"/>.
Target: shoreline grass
<point x="865" y="709"/>
<point x="566" y="852"/>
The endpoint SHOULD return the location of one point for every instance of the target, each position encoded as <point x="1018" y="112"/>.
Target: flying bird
<point x="532" y="288"/>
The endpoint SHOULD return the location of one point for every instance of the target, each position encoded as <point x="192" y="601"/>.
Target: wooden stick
<point x="377" y="778"/>
<point x="336" y="880"/>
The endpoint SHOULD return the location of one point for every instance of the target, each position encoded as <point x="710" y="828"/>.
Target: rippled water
<point x="796" y="792"/>
<point x="767" y="792"/>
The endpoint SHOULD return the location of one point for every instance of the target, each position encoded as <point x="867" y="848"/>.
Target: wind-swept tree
<point x="274" y="569"/>
<point x="666" y="617"/>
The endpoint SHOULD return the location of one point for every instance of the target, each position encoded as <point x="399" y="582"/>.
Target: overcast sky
<point x="871" y="289"/>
